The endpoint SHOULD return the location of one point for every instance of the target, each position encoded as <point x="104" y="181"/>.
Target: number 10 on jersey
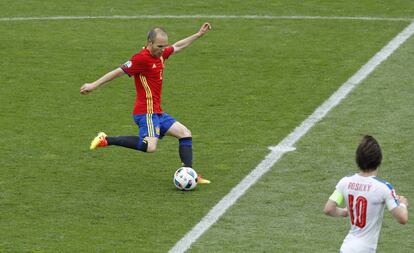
<point x="358" y="214"/>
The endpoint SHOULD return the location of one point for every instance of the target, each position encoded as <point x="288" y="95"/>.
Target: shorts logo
<point x="128" y="64"/>
<point x="157" y="130"/>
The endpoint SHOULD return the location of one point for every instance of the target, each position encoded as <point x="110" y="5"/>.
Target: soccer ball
<point x="185" y="178"/>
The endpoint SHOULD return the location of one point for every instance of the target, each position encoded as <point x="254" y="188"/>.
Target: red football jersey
<point x="147" y="71"/>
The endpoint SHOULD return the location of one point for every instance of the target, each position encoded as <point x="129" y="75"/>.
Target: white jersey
<point x="365" y="198"/>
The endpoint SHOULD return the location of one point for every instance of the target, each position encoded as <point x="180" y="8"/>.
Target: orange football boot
<point x="99" y="141"/>
<point x="201" y="180"/>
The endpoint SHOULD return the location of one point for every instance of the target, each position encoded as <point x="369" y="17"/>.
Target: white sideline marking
<point x="287" y="143"/>
<point x="204" y="17"/>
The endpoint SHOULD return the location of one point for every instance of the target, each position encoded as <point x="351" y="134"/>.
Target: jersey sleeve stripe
<point x="384" y="182"/>
<point x="390" y="187"/>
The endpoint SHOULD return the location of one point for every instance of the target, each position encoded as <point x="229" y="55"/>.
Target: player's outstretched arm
<point x="331" y="209"/>
<point x="180" y="45"/>
<point x="88" y="87"/>
<point x="400" y="212"/>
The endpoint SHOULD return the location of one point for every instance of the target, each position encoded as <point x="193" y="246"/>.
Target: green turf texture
<point x="378" y="8"/>
<point x="241" y="88"/>
<point x="283" y="212"/>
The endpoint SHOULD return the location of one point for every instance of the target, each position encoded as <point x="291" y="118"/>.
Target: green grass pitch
<point x="241" y="88"/>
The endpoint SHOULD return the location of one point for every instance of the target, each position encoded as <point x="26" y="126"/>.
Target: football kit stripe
<point x="150" y="125"/>
<point x="150" y="106"/>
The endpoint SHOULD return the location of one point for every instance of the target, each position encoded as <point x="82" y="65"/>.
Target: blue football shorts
<point x="153" y="125"/>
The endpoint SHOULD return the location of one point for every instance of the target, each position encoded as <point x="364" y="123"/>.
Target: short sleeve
<point x="167" y="52"/>
<point x="134" y="66"/>
<point x="340" y="185"/>
<point x="391" y="199"/>
<point x="337" y="195"/>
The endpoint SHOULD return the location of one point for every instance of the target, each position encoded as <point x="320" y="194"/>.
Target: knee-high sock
<point x="185" y="150"/>
<point x="133" y="142"/>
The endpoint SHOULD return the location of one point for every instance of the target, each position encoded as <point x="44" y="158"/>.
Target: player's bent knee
<point x="151" y="148"/>
<point x="152" y="145"/>
<point x="187" y="133"/>
<point x="179" y="131"/>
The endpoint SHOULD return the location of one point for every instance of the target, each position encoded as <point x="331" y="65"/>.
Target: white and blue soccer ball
<point x="185" y="178"/>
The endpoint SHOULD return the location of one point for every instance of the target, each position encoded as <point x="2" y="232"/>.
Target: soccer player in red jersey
<point x="147" y="69"/>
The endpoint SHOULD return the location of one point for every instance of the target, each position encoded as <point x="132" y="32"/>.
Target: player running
<point x="365" y="196"/>
<point x="147" y="69"/>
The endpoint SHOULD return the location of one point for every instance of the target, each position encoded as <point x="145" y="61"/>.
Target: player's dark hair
<point x="368" y="154"/>
<point x="154" y="32"/>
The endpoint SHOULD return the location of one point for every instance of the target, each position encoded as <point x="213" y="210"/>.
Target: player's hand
<point x="86" y="88"/>
<point x="403" y="200"/>
<point x="204" y="28"/>
<point x="345" y="212"/>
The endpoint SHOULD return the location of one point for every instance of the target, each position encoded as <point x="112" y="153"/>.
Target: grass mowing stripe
<point x="286" y="144"/>
<point x="204" y="16"/>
